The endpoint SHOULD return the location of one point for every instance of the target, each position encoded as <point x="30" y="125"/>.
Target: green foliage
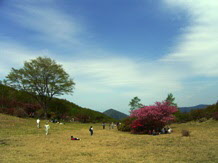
<point x="182" y="117"/>
<point x="17" y="103"/>
<point x="215" y="116"/>
<point x="86" y="115"/>
<point x="126" y="124"/>
<point x="135" y="103"/>
<point x="20" y="103"/>
<point x="171" y="99"/>
<point x="42" y="78"/>
<point x="63" y="109"/>
<point x="59" y="107"/>
<point x="197" y="115"/>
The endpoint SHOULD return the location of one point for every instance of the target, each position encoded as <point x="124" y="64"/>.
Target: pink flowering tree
<point x="152" y="117"/>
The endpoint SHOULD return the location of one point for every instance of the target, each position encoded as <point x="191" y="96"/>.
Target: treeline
<point x="198" y="114"/>
<point x="155" y="117"/>
<point x="21" y="104"/>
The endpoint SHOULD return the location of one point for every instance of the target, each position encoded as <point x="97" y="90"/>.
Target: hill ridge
<point x="189" y="108"/>
<point x="115" y="114"/>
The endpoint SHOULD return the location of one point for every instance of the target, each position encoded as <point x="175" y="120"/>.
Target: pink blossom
<point x="152" y="117"/>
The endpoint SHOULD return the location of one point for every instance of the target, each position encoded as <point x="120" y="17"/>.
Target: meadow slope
<point x="22" y="142"/>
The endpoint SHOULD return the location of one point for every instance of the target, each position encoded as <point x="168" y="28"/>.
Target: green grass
<point x="22" y="141"/>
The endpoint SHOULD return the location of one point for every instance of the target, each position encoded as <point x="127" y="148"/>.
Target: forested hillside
<point x="21" y="104"/>
<point x="188" y="109"/>
<point x="211" y="111"/>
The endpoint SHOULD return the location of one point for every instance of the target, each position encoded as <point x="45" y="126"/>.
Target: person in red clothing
<point x="72" y="138"/>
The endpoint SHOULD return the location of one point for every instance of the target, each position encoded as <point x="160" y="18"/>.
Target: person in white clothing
<point x="38" y="122"/>
<point x="170" y="130"/>
<point x="47" y="127"/>
<point x="112" y="125"/>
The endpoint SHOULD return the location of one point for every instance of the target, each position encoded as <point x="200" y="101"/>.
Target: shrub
<point x="125" y="125"/>
<point x="202" y="119"/>
<point x="153" y="117"/>
<point x="185" y="133"/>
<point x="197" y="114"/>
<point x="215" y="116"/>
<point x="182" y="117"/>
<point x="3" y="110"/>
<point x="10" y="111"/>
<point x="20" y="112"/>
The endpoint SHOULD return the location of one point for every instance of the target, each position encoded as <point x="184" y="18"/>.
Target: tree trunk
<point x="45" y="115"/>
<point x="45" y="108"/>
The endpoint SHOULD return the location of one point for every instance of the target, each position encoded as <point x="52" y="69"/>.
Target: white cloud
<point x="197" y="46"/>
<point x="47" y="22"/>
<point x="111" y="81"/>
<point x="124" y="76"/>
<point x="13" y="54"/>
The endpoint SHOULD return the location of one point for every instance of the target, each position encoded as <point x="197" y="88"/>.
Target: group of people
<point x="165" y="130"/>
<point x="110" y="125"/>
<point x="47" y="126"/>
<point x="91" y="130"/>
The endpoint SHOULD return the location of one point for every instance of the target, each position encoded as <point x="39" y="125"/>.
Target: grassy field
<point x="22" y="141"/>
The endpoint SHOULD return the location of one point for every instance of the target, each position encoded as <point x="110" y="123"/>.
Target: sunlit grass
<point x="22" y="141"/>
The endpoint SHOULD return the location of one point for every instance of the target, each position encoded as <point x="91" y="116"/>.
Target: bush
<point x="215" y="116"/>
<point x="9" y="111"/>
<point x="149" y="118"/>
<point x="197" y="114"/>
<point x="20" y="112"/>
<point x="125" y="125"/>
<point x="202" y="119"/>
<point x="185" y="133"/>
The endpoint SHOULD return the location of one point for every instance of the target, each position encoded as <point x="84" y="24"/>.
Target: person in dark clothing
<point x="91" y="130"/>
<point x="103" y="125"/>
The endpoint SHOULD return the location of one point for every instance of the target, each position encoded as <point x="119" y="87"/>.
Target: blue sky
<point x="118" y="49"/>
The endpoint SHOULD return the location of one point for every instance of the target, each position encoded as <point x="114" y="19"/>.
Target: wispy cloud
<point x="125" y="74"/>
<point x="107" y="79"/>
<point x="197" y="46"/>
<point x="47" y="22"/>
<point x="13" y="54"/>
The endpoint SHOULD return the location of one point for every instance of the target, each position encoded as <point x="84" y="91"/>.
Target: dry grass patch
<point x="26" y="143"/>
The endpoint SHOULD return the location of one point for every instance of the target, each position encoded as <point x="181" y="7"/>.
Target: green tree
<point x="43" y="79"/>
<point x="135" y="103"/>
<point x="171" y="99"/>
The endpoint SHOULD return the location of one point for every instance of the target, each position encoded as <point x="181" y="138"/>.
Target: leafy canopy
<point x="170" y="99"/>
<point x="43" y="78"/>
<point x="135" y="103"/>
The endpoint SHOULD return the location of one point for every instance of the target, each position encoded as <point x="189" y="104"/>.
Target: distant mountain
<point x="115" y="114"/>
<point x="188" y="109"/>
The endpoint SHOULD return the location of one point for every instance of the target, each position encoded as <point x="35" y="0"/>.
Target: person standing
<point x="38" y="122"/>
<point x="103" y="124"/>
<point x="47" y="127"/>
<point x="112" y="125"/>
<point x="91" y="130"/>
